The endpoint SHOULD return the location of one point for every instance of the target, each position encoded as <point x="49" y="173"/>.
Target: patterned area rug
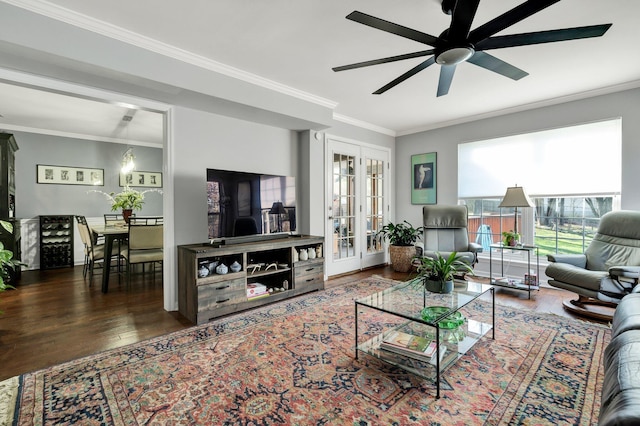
<point x="292" y="363"/>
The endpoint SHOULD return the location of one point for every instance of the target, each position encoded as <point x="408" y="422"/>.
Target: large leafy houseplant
<point x="7" y="261"/>
<point x="402" y="237"/>
<point x="400" y="234"/>
<point x="436" y="273"/>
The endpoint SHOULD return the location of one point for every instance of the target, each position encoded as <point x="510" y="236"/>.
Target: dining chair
<point x="146" y="220"/>
<point x="81" y="223"/>
<point x="113" y="219"/>
<point x="94" y="253"/>
<point x="145" y="245"/>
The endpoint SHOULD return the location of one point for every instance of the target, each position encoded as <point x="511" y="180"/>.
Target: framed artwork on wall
<point x="66" y="175"/>
<point x="146" y="179"/>
<point x="423" y="178"/>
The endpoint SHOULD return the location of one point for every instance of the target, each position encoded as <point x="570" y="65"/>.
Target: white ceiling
<point x="296" y="43"/>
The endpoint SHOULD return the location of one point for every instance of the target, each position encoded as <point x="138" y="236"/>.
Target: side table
<point x="515" y="283"/>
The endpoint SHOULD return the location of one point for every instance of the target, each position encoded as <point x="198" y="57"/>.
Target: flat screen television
<point x="240" y="204"/>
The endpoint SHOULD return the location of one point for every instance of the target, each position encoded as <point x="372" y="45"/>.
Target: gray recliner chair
<point x="607" y="271"/>
<point x="445" y="231"/>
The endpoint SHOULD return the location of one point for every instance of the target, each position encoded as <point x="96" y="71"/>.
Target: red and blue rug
<point x="292" y="363"/>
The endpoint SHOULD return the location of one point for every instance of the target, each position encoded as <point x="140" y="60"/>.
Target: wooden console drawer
<point x="309" y="268"/>
<point x="309" y="280"/>
<point x="216" y="295"/>
<point x="309" y="273"/>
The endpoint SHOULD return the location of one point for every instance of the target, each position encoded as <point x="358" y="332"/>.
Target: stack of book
<point x="256" y="290"/>
<point x="416" y="347"/>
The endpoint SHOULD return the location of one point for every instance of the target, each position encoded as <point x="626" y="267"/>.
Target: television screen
<point x="242" y="203"/>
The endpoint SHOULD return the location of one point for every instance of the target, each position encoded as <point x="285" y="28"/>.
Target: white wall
<point x="445" y="142"/>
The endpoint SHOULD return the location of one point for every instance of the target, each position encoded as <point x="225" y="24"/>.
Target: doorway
<point x="357" y="205"/>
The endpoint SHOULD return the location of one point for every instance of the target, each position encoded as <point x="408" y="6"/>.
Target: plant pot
<point x="401" y="257"/>
<point x="438" y="286"/>
<point x="126" y="214"/>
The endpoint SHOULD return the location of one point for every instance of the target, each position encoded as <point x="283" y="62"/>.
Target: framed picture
<point x="136" y="178"/>
<point x="423" y="178"/>
<point x="65" y="175"/>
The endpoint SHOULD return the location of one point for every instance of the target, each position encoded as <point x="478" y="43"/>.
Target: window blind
<point x="578" y="160"/>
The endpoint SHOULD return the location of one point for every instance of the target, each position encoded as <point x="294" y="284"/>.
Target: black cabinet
<point x="56" y="242"/>
<point x="8" y="147"/>
<point x="11" y="241"/>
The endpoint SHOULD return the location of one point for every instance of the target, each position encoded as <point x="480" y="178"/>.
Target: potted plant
<point x="402" y="238"/>
<point x="510" y="238"/>
<point x="127" y="200"/>
<point x="436" y="273"/>
<point x="7" y="262"/>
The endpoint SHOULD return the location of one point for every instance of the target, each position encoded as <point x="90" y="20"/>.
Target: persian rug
<point x="293" y="363"/>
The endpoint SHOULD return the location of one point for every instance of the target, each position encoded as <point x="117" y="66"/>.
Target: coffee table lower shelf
<point x="472" y="331"/>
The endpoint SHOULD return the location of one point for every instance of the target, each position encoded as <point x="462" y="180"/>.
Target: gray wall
<point x="33" y="199"/>
<point x="445" y="142"/>
<point x="204" y="140"/>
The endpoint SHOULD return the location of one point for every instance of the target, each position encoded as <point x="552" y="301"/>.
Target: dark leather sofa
<point x="621" y="389"/>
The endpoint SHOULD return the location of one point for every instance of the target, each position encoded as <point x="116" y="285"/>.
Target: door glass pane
<point x="374" y="203"/>
<point x="344" y="206"/>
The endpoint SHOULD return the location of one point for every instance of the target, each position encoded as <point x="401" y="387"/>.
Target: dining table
<point x="110" y="233"/>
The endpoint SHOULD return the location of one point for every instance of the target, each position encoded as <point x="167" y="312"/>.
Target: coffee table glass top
<point x="409" y="301"/>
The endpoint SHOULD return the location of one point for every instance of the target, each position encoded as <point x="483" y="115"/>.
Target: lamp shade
<point x="516" y="197"/>
<point x="277" y="208"/>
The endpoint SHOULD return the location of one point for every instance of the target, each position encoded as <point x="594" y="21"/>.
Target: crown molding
<point x="79" y="20"/>
<point x="363" y="124"/>
<point x="520" y="108"/>
<point x="95" y="138"/>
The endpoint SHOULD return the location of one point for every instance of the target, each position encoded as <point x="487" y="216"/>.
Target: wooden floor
<point x="55" y="316"/>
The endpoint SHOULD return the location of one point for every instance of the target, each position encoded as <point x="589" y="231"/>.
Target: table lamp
<point x="516" y="197"/>
<point x="278" y="208"/>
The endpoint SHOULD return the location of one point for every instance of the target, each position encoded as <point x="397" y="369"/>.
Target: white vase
<point x="311" y="253"/>
<point x="304" y="255"/>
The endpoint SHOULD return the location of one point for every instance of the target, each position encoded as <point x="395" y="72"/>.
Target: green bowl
<point x="455" y="320"/>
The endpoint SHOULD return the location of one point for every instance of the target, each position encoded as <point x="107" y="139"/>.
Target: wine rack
<point x="56" y="242"/>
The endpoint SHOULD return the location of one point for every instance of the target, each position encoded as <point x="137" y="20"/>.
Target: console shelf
<point x="204" y="294"/>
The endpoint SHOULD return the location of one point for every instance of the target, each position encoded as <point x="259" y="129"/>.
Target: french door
<point x="357" y="205"/>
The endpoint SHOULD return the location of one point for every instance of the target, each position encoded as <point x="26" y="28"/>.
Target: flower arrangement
<point x="127" y="199"/>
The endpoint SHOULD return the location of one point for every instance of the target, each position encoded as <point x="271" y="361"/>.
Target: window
<point x="560" y="224"/>
<point x="572" y="174"/>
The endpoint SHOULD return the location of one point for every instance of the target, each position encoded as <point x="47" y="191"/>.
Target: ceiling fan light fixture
<point x="455" y="55"/>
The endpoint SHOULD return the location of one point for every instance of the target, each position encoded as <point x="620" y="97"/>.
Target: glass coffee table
<point x="426" y="319"/>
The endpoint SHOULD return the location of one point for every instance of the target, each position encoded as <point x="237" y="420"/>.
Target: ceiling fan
<point x="459" y="43"/>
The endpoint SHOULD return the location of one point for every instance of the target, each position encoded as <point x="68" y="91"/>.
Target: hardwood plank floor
<point x="55" y="316"/>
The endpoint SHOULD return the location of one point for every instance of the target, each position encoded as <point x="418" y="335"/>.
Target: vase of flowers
<point x="128" y="200"/>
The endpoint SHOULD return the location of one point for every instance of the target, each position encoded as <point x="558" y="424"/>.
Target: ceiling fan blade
<point x="462" y="18"/>
<point x="413" y="71"/>
<point x="383" y="60"/>
<point x="392" y="28"/>
<point x="499" y="66"/>
<point x="508" y="18"/>
<point x="446" y="76"/>
<point x="542" y="37"/>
